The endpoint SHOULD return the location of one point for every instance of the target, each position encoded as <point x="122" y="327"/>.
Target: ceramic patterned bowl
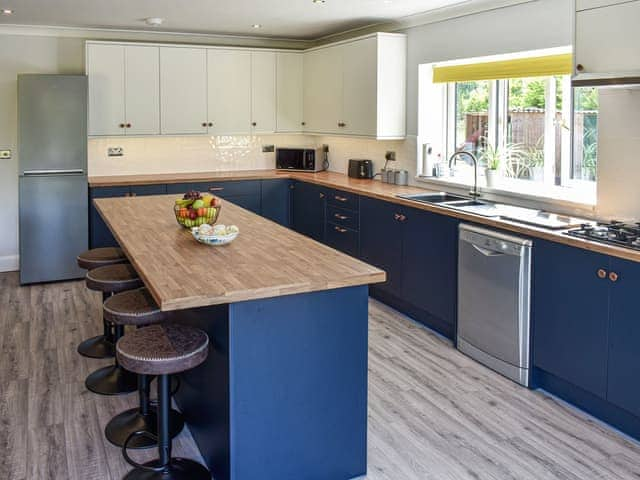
<point x="214" y="240"/>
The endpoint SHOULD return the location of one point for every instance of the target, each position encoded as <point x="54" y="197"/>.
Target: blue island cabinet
<point x="276" y="200"/>
<point x="283" y="392"/>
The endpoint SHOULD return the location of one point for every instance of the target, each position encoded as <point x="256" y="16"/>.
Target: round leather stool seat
<point x="113" y="278"/>
<point x="133" y="307"/>
<point x="162" y="349"/>
<point x="99" y="257"/>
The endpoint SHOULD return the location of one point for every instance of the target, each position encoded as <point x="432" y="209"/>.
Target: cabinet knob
<point x="128" y="125"/>
<point x="204" y="124"/>
<point x="121" y="125"/>
<point x="580" y="67"/>
<point x="292" y="187"/>
<point x="613" y="276"/>
<point x="399" y="217"/>
<point x="253" y="124"/>
<point x="602" y="273"/>
<point x="303" y="123"/>
<point x="210" y="124"/>
<point x="342" y="124"/>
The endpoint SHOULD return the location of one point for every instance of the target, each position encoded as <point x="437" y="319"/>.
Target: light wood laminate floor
<point x="434" y="414"/>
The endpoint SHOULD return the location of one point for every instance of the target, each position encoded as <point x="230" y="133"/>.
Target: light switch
<point x="115" y="152"/>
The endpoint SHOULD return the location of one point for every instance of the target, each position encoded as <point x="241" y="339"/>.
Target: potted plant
<point x="492" y="157"/>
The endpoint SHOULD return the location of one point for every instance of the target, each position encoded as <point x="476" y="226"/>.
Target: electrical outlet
<point x="5" y="154"/>
<point x="268" y="148"/>
<point x="390" y="156"/>
<point x="115" y="152"/>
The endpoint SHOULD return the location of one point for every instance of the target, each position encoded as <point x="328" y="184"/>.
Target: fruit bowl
<point x="194" y="210"/>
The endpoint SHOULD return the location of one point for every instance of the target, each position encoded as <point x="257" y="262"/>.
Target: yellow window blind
<point x="517" y="68"/>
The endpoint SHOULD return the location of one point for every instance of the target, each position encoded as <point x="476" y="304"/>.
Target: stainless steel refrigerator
<point x="52" y="153"/>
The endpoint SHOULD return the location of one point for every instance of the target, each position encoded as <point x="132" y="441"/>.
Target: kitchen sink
<point x="437" y="198"/>
<point x="484" y="209"/>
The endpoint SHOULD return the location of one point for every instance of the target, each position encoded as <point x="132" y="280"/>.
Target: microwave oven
<point x="300" y="159"/>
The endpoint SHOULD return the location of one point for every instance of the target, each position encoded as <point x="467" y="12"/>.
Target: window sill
<point x="525" y="193"/>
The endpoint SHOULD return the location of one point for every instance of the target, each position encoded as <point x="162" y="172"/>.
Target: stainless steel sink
<point x="485" y="209"/>
<point x="437" y="198"/>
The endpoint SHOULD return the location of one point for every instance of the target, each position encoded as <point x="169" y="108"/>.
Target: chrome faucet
<point x="474" y="193"/>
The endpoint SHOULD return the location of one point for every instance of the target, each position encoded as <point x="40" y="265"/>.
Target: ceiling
<point x="294" y="19"/>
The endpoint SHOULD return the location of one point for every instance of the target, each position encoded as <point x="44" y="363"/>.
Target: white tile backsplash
<point x="148" y="155"/>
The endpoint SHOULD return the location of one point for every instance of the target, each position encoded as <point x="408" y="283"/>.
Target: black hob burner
<point x="614" y="233"/>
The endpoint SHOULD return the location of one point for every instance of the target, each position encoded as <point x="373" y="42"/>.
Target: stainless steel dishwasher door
<point x="494" y="279"/>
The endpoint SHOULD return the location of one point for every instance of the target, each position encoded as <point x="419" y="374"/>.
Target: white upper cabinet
<point x="123" y="89"/>
<point x="263" y="92"/>
<point x="105" y="69"/>
<point x="606" y="41"/>
<point x="142" y="90"/>
<point x="229" y="92"/>
<point x="323" y="90"/>
<point x="289" y="76"/>
<point x="357" y="87"/>
<point x="183" y="90"/>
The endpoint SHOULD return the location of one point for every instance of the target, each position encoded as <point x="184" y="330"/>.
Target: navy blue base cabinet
<point x="276" y="200"/>
<point x="308" y="210"/>
<point x="586" y="332"/>
<point x="283" y="392"/>
<point x="418" y="250"/>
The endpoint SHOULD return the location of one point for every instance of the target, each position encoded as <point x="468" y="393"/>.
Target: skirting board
<point x="9" y="263"/>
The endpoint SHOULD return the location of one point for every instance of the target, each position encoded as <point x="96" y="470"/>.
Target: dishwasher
<point x="494" y="297"/>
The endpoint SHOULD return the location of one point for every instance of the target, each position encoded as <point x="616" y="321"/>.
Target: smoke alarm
<point x="154" y="21"/>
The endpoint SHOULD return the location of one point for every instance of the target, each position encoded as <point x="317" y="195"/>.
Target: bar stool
<point x="100" y="346"/>
<point x="163" y="350"/>
<point x="137" y="308"/>
<point x="111" y="279"/>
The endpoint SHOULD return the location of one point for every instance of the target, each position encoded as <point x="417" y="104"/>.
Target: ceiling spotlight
<point x="318" y="2"/>
<point x="256" y="25"/>
<point x="6" y="11"/>
<point x="154" y="21"/>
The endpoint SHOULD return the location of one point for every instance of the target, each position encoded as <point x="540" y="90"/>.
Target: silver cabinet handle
<point x="33" y="173"/>
<point x="216" y="189"/>
<point x="340" y="217"/>
<point x="340" y="230"/>
<point x="487" y="253"/>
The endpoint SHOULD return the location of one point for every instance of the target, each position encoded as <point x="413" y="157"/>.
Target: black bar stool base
<point x="112" y="380"/>
<point x="97" y="347"/>
<point x="178" y="469"/>
<point x="125" y="423"/>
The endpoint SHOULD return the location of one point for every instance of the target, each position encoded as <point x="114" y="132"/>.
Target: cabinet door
<point x="381" y="241"/>
<point x="142" y="90"/>
<point x="276" y="200"/>
<point x="359" y="73"/>
<point x="430" y="265"/>
<point x="183" y="90"/>
<point x="309" y="210"/>
<point x="624" y="337"/>
<point x="229" y="92"/>
<point x="263" y="92"/>
<point x="570" y="312"/>
<point x="323" y="90"/>
<point x="144" y="190"/>
<point x="289" y="80"/>
<point x="607" y="40"/>
<point x="105" y="69"/>
<point x="99" y="233"/>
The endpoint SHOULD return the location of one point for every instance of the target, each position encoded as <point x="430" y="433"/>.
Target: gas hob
<point x="621" y="234"/>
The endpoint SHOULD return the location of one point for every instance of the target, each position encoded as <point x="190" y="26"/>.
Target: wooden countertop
<point x="374" y="189"/>
<point x="266" y="260"/>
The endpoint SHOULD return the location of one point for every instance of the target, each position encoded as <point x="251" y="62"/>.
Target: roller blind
<point x="517" y="68"/>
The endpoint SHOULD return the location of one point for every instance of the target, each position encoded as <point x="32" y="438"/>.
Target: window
<point x="536" y="129"/>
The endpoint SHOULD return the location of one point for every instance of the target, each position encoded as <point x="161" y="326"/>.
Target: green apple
<point x="198" y="204"/>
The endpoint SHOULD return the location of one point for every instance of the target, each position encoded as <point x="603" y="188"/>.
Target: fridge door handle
<point x="34" y="173"/>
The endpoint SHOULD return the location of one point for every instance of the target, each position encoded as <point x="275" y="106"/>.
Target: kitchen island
<point x="283" y="393"/>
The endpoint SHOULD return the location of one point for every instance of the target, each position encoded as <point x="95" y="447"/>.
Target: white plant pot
<point x="537" y="173"/>
<point x="491" y="177"/>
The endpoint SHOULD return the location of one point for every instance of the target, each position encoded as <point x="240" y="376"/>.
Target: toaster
<point x="360" y="168"/>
